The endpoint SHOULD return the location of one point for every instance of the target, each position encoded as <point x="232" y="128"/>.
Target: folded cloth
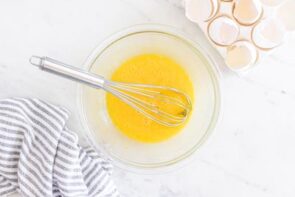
<point x="39" y="156"/>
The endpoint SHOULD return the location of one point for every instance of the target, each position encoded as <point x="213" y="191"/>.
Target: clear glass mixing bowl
<point x="125" y="152"/>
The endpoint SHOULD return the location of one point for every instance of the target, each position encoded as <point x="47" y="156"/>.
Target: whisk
<point x="153" y="101"/>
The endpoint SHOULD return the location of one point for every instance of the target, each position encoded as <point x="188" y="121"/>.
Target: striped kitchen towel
<point x="39" y="156"/>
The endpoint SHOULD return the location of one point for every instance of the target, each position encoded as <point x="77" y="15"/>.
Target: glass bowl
<point x="142" y="39"/>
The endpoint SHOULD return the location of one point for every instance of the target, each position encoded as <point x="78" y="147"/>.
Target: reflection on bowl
<point x="150" y="39"/>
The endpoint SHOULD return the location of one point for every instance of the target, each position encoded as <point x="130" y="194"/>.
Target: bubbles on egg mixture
<point x="243" y="31"/>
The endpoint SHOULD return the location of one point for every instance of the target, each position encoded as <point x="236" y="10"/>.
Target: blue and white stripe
<point x="39" y="156"/>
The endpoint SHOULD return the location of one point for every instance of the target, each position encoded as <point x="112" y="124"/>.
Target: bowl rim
<point x="215" y="76"/>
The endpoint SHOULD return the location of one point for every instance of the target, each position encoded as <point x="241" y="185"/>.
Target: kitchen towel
<point x="40" y="157"/>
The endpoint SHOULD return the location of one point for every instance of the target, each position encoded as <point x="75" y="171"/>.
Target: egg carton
<point x="243" y="31"/>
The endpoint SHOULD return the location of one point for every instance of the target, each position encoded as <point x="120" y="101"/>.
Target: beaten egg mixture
<point x="147" y="69"/>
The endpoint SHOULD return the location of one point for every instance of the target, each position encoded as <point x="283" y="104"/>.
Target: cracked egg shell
<point x="272" y="2"/>
<point x="241" y="55"/>
<point x="247" y="12"/>
<point x="268" y="34"/>
<point x="223" y="31"/>
<point x="201" y="10"/>
<point x="286" y="14"/>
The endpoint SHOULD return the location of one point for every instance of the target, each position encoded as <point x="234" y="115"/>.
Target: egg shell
<point x="286" y="13"/>
<point x="241" y="55"/>
<point x="201" y="10"/>
<point x="223" y="31"/>
<point x="268" y="34"/>
<point x="247" y="12"/>
<point x="272" y="2"/>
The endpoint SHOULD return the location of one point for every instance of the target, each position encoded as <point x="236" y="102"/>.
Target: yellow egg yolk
<point x="147" y="69"/>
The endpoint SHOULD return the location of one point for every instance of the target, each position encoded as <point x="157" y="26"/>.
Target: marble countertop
<point x="251" y="153"/>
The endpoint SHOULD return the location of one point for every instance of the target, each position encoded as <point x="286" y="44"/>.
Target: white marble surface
<point x="251" y="153"/>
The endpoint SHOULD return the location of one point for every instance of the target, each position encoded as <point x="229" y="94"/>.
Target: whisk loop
<point x="147" y="99"/>
<point x="165" y="105"/>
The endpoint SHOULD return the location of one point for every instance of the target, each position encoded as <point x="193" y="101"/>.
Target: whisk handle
<point x="56" y="67"/>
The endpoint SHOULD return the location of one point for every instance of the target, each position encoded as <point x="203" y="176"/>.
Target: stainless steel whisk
<point x="144" y="98"/>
